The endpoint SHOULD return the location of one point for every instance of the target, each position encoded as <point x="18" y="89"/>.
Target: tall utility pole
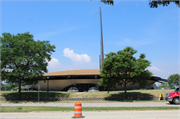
<point x="102" y="51"/>
<point x="99" y="61"/>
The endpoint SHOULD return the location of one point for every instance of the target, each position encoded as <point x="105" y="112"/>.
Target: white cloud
<point x="163" y="70"/>
<point x="128" y="42"/>
<point x="154" y="69"/>
<point x="55" y="65"/>
<point x="82" y="58"/>
<point x="54" y="62"/>
<point x="158" y="72"/>
<point x="51" y="33"/>
<point x="79" y="61"/>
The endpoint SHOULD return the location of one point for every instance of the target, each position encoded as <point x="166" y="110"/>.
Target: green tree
<point x="155" y="86"/>
<point x="173" y="80"/>
<point x="156" y="3"/>
<point x="164" y="85"/>
<point x="1" y="86"/>
<point x="152" y="3"/>
<point x="10" y="85"/>
<point x="110" y="2"/>
<point x="122" y="68"/>
<point x="23" y="58"/>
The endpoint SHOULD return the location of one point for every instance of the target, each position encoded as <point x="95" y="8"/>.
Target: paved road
<point x="167" y="114"/>
<point x="120" y="104"/>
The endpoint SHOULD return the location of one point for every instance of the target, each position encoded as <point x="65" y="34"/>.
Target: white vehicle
<point x="73" y="89"/>
<point x="93" y="89"/>
<point x="26" y="87"/>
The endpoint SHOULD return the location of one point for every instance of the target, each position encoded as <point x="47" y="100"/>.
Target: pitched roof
<point x="86" y="72"/>
<point x="74" y="72"/>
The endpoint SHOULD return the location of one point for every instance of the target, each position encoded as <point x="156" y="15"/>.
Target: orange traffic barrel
<point x="78" y="110"/>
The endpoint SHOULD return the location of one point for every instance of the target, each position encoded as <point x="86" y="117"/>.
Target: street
<point x="116" y="104"/>
<point x="158" y="114"/>
<point x="166" y="114"/>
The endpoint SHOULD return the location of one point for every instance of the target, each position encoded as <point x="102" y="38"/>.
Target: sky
<point x="74" y="28"/>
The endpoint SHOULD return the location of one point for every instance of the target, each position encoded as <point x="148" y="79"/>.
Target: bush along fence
<point x="78" y="99"/>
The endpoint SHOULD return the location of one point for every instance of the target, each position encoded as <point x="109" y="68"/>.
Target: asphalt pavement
<point x="166" y="114"/>
<point x="119" y="104"/>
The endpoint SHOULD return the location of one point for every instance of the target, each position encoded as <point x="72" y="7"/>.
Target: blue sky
<point x="74" y="28"/>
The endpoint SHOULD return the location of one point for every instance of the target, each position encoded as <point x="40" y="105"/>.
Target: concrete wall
<point x="58" y="85"/>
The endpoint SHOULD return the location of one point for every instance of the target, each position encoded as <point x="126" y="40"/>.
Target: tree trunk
<point x="19" y="89"/>
<point x="125" y="91"/>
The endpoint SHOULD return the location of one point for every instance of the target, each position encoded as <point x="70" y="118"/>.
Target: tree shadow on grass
<point x="61" y="96"/>
<point x="131" y="96"/>
<point x="33" y="96"/>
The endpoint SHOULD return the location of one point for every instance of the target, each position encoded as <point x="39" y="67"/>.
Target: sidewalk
<point x="167" y="114"/>
<point x="119" y="104"/>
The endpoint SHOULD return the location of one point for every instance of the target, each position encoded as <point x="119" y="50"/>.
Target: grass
<point x="56" y="94"/>
<point x="46" y="109"/>
<point x="42" y="102"/>
<point x="34" y="94"/>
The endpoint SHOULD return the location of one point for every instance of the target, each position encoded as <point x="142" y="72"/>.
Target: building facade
<point x="83" y="80"/>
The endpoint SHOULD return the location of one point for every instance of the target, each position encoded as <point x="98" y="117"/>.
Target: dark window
<point x="176" y="89"/>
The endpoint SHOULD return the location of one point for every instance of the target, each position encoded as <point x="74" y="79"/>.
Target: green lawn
<point x="138" y="93"/>
<point x="42" y="102"/>
<point x="34" y="94"/>
<point x="45" y="109"/>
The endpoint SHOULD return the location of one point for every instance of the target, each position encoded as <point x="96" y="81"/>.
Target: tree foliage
<point x="173" y="80"/>
<point x="122" y="68"/>
<point x="156" y="3"/>
<point x="110" y="2"/>
<point x="1" y="86"/>
<point x="23" y="58"/>
<point x="152" y="3"/>
<point x="164" y="85"/>
<point x="9" y="86"/>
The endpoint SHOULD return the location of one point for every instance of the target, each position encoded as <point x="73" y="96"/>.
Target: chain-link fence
<point x="78" y="99"/>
